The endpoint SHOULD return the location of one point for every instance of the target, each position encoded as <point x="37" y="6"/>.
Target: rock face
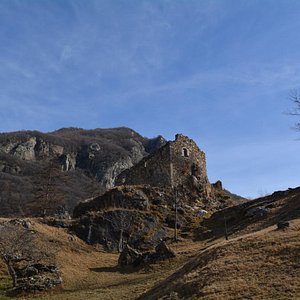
<point x="91" y="159"/>
<point x="135" y="215"/>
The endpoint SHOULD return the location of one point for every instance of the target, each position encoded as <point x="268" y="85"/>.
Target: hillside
<point x="262" y="265"/>
<point x="90" y="159"/>
<point x="257" y="262"/>
<point x="139" y="191"/>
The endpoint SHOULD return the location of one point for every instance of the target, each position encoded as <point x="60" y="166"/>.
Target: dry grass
<point x="253" y="264"/>
<point x="92" y="273"/>
<point x="263" y="265"/>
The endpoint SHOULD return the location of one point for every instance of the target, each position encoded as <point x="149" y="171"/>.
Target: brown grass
<point x="255" y="265"/>
<point x="263" y="265"/>
<point x="92" y="273"/>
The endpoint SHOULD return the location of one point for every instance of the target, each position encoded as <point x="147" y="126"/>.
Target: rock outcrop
<point x="138" y="215"/>
<point x="91" y="159"/>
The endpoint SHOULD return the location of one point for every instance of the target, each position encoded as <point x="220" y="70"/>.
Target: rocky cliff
<point x="89" y="159"/>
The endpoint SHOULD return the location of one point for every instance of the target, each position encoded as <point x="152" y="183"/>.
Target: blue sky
<point x="217" y="71"/>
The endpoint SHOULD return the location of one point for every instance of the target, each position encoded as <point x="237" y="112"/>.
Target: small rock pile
<point x="38" y="277"/>
<point x="132" y="257"/>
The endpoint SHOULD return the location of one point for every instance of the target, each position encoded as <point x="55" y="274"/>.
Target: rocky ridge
<point x="92" y="159"/>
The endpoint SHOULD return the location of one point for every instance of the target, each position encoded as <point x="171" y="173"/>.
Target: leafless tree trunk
<point x="10" y="269"/>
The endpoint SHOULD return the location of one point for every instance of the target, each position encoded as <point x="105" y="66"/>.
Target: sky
<point x="218" y="71"/>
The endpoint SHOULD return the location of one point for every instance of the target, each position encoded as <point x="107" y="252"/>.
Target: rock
<point x="45" y="268"/>
<point x="21" y="222"/>
<point x="202" y="212"/>
<point x="134" y="258"/>
<point x="129" y="257"/>
<point x="128" y="197"/>
<point x="163" y="251"/>
<point x="27" y="272"/>
<point x="181" y="210"/>
<point x="259" y="211"/>
<point x="95" y="147"/>
<point x="283" y="225"/>
<point x="218" y="185"/>
<point x="68" y="161"/>
<point x="25" y="150"/>
<point x="37" y="277"/>
<point x="14" y="170"/>
<point x="26" y="224"/>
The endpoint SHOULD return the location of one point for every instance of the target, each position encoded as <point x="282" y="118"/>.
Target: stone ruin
<point x="178" y="163"/>
<point x="145" y="194"/>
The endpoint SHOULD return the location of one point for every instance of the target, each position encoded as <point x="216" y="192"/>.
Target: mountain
<point x="61" y="168"/>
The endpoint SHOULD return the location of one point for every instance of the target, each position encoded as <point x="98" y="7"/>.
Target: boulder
<point x="259" y="211"/>
<point x="283" y="225"/>
<point x="163" y="251"/>
<point x="132" y="257"/>
<point x="129" y="257"/>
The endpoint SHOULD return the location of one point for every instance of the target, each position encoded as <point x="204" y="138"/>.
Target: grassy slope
<point x="258" y="262"/>
<point x="91" y="273"/>
<point x="260" y="265"/>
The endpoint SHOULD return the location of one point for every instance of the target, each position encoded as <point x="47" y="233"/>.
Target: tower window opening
<point x="185" y="152"/>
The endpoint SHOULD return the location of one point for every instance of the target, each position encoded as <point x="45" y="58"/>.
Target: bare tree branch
<point x="19" y="246"/>
<point x="294" y="96"/>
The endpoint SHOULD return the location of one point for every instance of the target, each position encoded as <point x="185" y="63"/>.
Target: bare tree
<point x="295" y="98"/>
<point x="16" y="246"/>
<point x="121" y="221"/>
<point x="48" y="193"/>
<point x="21" y="249"/>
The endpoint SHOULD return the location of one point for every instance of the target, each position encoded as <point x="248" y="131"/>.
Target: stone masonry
<point x="178" y="163"/>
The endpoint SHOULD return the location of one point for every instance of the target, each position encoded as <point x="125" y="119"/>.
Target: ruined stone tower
<point x="176" y="164"/>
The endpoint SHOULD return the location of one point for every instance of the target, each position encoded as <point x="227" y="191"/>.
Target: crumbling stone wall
<point x="178" y="163"/>
<point x="153" y="170"/>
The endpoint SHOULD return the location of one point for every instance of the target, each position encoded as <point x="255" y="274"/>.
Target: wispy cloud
<point x="217" y="70"/>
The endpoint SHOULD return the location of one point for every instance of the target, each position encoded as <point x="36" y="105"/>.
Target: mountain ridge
<point x="90" y="158"/>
